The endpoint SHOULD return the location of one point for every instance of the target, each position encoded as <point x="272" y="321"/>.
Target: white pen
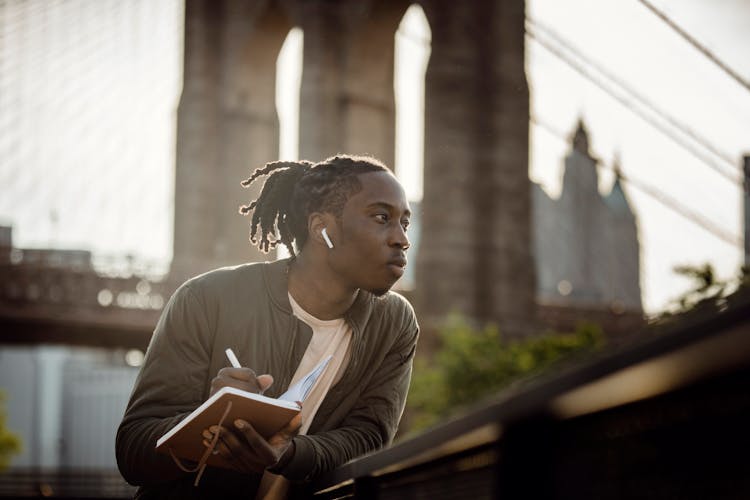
<point x="232" y="358"/>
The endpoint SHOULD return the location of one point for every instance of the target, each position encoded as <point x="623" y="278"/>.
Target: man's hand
<point x="241" y="378"/>
<point x="247" y="450"/>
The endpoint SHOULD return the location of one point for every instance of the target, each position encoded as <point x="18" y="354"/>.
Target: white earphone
<point x="326" y="238"/>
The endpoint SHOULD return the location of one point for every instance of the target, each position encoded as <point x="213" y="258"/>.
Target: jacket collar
<point x="276" y="276"/>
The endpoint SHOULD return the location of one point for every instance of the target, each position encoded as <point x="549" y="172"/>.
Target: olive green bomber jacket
<point x="247" y="308"/>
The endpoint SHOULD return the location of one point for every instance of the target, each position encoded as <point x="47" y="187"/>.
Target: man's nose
<point x="400" y="239"/>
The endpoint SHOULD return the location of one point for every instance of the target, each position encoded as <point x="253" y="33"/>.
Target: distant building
<point x="65" y="403"/>
<point x="586" y="250"/>
<point x="586" y="244"/>
<point x="64" y="397"/>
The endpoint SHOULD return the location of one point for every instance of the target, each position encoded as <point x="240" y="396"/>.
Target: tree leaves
<point x="474" y="363"/>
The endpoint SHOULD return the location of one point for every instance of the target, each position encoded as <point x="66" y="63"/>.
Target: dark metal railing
<point x="665" y="418"/>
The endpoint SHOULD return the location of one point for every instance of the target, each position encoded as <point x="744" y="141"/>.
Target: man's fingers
<point x="292" y="428"/>
<point x="244" y="374"/>
<point x="259" y="446"/>
<point x="245" y="449"/>
<point x="241" y="378"/>
<point x="281" y="439"/>
<point x="232" y="457"/>
<point x="254" y="439"/>
<point x="220" y="448"/>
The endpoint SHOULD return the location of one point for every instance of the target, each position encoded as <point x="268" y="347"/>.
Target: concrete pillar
<point x="321" y="130"/>
<point x="227" y="127"/>
<point x="746" y="200"/>
<point x="347" y="101"/>
<point x="197" y="155"/>
<point x="369" y="101"/>
<point x="253" y="37"/>
<point x="475" y="255"/>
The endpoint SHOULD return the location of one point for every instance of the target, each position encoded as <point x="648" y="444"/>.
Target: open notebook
<point x="266" y="415"/>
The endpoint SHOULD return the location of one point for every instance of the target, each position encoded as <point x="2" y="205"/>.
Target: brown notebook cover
<point x="267" y="416"/>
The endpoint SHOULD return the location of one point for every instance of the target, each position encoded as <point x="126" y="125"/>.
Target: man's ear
<point x="319" y="221"/>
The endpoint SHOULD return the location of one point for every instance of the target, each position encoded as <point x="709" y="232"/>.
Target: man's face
<point x="370" y="247"/>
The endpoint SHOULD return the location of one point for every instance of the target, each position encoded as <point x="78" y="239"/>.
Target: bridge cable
<point x="698" y="46"/>
<point x="627" y="102"/>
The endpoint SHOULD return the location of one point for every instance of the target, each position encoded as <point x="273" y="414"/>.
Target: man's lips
<point x="397" y="265"/>
<point x="398" y="262"/>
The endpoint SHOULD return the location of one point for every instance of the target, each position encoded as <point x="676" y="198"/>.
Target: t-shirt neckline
<point x="309" y="318"/>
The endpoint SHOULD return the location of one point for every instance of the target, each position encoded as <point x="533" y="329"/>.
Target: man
<point x="344" y="222"/>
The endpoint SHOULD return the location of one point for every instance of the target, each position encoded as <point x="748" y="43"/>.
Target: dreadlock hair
<point x="295" y="189"/>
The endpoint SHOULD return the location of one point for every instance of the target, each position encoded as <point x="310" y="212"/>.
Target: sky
<point x="649" y="57"/>
<point x="89" y="92"/>
<point x="88" y="97"/>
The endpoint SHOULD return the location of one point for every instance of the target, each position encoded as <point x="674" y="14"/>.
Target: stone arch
<point x="347" y="99"/>
<point x="475" y="255"/>
<point x="412" y="54"/>
<point x="227" y="126"/>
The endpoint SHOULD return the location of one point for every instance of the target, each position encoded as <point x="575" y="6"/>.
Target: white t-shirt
<point x="330" y="337"/>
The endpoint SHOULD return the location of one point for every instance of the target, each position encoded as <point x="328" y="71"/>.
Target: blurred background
<point x="575" y="168"/>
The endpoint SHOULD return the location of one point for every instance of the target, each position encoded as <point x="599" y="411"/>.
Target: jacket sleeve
<point x="370" y="425"/>
<point x="170" y="385"/>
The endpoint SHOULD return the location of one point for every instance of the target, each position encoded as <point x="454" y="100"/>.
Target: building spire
<point x="616" y="199"/>
<point x="581" y="138"/>
<point x="616" y="166"/>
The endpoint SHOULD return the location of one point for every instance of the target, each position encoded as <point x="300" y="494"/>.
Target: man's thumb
<point x="265" y="381"/>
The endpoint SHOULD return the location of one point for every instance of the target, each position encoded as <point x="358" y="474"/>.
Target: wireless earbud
<point x="325" y="237"/>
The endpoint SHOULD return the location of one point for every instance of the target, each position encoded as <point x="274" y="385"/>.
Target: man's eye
<point x="405" y="225"/>
<point x="381" y="217"/>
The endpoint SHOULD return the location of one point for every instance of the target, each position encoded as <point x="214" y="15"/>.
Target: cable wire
<point x="627" y="102"/>
<point x="643" y="101"/>
<point x="698" y="46"/>
<point x="649" y="104"/>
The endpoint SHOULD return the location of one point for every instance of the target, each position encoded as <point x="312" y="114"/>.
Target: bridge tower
<point x="475" y="251"/>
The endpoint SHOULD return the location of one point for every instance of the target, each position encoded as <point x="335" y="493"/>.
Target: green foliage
<point x="472" y="364"/>
<point x="706" y="287"/>
<point x="707" y="291"/>
<point x="10" y="444"/>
